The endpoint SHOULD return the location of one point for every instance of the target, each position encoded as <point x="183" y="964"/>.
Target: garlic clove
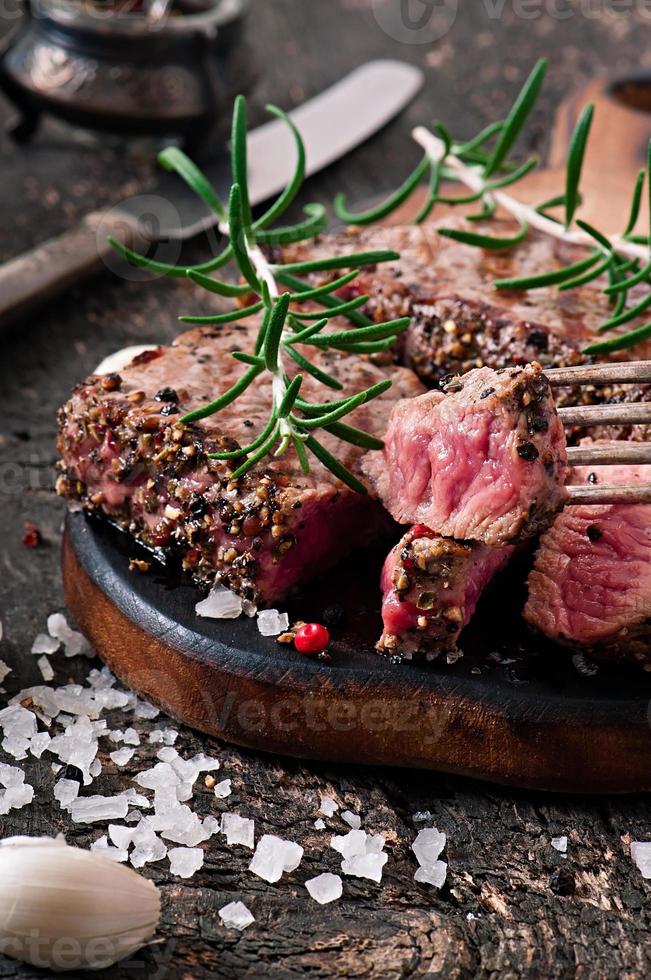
<point x="64" y="908"/>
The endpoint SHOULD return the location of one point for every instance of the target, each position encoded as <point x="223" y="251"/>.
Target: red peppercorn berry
<point x="32" y="537"/>
<point x="311" y="638"/>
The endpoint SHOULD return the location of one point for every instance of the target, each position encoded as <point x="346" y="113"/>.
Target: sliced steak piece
<point x="484" y="462"/>
<point x="125" y="455"/>
<point x="430" y="588"/>
<point x="590" y="587"/>
<point x="460" y="321"/>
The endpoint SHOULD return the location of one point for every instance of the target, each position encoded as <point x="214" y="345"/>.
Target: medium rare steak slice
<point x="430" y="588"/>
<point x="460" y="321"/>
<point x="590" y="587"/>
<point x="126" y="456"/>
<point x="484" y="462"/>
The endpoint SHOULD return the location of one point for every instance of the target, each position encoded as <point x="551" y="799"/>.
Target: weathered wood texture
<point x="498" y="915"/>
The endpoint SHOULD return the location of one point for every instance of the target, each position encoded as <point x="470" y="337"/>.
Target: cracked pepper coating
<point x="124" y="454"/>
<point x="483" y="461"/>
<point x="430" y="588"/>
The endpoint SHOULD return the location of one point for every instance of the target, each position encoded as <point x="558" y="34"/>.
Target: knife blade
<point x="331" y="125"/>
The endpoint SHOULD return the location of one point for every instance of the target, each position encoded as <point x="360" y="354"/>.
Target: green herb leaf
<point x="239" y="163"/>
<point x="316" y="372"/>
<point x="517" y="118"/>
<point x="226" y="399"/>
<point x="312" y="226"/>
<point x="548" y="278"/>
<point x="485" y="241"/>
<point x="575" y="159"/>
<point x="215" y="286"/>
<point x="356" y="437"/>
<point x="352" y="261"/>
<point x="285" y="199"/>
<point x="623" y="342"/>
<point x="245" y="450"/>
<point x="342" y="310"/>
<point x="381" y="211"/>
<point x="238" y="236"/>
<point x="635" y="204"/>
<point x="329" y="461"/>
<point x="274" y="332"/>
<point x="239" y="314"/>
<point x="174" y="159"/>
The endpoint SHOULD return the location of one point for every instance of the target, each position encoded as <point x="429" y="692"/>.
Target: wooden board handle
<point x="617" y="150"/>
<point x="47" y="270"/>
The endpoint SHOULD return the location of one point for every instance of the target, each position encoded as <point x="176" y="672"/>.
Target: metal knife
<point x="331" y="124"/>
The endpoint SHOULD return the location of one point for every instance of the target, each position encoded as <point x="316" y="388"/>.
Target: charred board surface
<point x="558" y="731"/>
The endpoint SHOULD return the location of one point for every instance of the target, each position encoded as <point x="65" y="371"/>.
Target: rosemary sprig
<point x="484" y="167"/>
<point x="278" y="292"/>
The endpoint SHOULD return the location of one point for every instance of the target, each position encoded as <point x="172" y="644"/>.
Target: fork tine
<point x="627" y="372"/>
<point x="625" y="413"/>
<point x="610" y="455"/>
<point x="639" y="493"/>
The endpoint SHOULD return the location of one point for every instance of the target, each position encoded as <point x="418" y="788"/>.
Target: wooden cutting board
<point x="513" y="710"/>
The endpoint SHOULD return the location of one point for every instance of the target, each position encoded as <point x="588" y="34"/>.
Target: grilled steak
<point x="591" y="582"/>
<point x="430" y="588"/>
<point x="484" y="462"/>
<point x="125" y="456"/>
<point x="460" y="321"/>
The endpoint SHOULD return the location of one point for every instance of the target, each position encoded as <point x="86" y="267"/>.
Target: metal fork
<point x="625" y="413"/>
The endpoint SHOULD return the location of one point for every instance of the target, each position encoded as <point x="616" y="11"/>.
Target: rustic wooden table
<point x="499" y="913"/>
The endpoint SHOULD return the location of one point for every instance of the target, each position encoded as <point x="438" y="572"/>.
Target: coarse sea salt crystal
<point x="235" y="915"/>
<point x="274" y="856"/>
<point x="148" y="847"/>
<point x="167" y="754"/>
<point x="560" y="844"/>
<point x="44" y="643"/>
<point x="74" y="643"/>
<point x="122" y="756"/>
<point x="89" y="809"/>
<point x="352" y="819"/>
<point x="272" y="623"/>
<point x="164" y="736"/>
<point x="46" y="669"/>
<point x="223" y="789"/>
<point x="249" y="608"/>
<point x="66" y="792"/>
<point x="146" y="710"/>
<point x="102" y="846"/>
<point x="428" y="845"/>
<point x="5" y="670"/>
<point x="365" y="865"/>
<point x="131" y="737"/>
<point x="641" y="854"/>
<point x="204" y="763"/>
<point x="19" y="726"/>
<point x="39" y="743"/>
<point x="325" y="888"/>
<point x="238" y="830"/>
<point x="328" y="806"/>
<point x="185" y="861"/>
<point x="432" y="874"/>
<point x="220" y="603"/>
<point x="319" y="824"/>
<point x="351" y="844"/>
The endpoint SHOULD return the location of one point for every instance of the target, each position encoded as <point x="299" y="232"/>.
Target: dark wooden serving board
<point x="514" y="710"/>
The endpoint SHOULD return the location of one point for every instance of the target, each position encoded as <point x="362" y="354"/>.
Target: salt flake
<point x="235" y="915"/>
<point x="325" y="888"/>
